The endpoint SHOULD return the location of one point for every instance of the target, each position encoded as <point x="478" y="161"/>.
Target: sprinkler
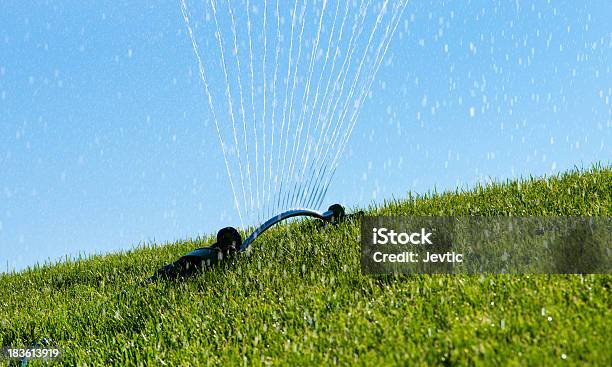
<point x="229" y="243"/>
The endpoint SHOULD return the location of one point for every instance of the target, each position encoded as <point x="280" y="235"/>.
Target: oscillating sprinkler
<point x="229" y="243"/>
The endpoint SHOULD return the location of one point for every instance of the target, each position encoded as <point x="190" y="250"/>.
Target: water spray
<point x="296" y="156"/>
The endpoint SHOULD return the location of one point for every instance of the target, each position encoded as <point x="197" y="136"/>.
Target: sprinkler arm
<point x="333" y="214"/>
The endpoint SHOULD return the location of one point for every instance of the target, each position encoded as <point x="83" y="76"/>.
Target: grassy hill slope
<point x="300" y="298"/>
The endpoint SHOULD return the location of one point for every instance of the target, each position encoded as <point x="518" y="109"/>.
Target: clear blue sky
<point x="106" y="140"/>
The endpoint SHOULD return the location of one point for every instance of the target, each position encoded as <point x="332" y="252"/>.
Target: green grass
<point x="300" y="299"/>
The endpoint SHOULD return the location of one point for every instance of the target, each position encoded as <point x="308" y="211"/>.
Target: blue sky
<point x="106" y="139"/>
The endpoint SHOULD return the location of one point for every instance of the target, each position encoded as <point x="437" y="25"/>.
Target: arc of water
<point x="326" y="162"/>
<point x="337" y="91"/>
<point x="295" y="78"/>
<point x="325" y="96"/>
<point x="305" y="97"/>
<point x="392" y="26"/>
<point x="276" y="190"/>
<point x="242" y="112"/>
<point x="307" y="158"/>
<point x="248" y="11"/>
<point x="287" y="113"/>
<point x="228" y="93"/>
<point x="202" y="72"/>
<point x="277" y="53"/>
<point x="265" y="38"/>
<point x="356" y="79"/>
<point x="376" y="66"/>
<point x="338" y="85"/>
<point x="352" y="88"/>
<point x="308" y="143"/>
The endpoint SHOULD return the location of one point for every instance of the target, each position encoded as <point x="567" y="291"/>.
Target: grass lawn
<point x="300" y="298"/>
